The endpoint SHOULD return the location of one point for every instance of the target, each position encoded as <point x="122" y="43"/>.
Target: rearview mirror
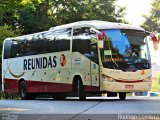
<point x="100" y="37"/>
<point x="155" y="41"/>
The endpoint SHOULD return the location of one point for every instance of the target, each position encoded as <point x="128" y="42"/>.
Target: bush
<point x="4" y="95"/>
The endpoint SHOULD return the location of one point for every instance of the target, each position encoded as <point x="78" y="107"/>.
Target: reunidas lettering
<point x="39" y="63"/>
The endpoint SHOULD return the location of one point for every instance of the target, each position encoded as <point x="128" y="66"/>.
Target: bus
<point x="81" y="57"/>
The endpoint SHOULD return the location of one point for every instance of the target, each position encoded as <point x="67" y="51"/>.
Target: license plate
<point x="129" y="86"/>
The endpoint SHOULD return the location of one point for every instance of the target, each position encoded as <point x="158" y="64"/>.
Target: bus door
<point x="94" y="65"/>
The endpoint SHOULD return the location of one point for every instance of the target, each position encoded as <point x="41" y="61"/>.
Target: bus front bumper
<point x="126" y="87"/>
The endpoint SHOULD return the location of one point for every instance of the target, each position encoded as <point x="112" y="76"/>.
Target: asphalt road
<point x="94" y="108"/>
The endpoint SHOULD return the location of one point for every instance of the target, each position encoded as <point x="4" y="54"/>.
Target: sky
<point x="135" y="9"/>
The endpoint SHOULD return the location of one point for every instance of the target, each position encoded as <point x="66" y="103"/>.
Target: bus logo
<point x="142" y="72"/>
<point x="63" y="60"/>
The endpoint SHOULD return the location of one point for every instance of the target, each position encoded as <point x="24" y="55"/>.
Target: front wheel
<point x="122" y="96"/>
<point x="80" y="90"/>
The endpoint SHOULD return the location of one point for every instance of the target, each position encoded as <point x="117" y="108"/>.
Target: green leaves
<point x="73" y="10"/>
<point x="39" y="15"/>
<point x="5" y="32"/>
<point x="152" y="22"/>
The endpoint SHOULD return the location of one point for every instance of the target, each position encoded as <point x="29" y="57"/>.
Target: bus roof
<point x="98" y="25"/>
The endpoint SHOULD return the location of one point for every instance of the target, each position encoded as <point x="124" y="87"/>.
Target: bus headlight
<point x="107" y="78"/>
<point x="148" y="79"/>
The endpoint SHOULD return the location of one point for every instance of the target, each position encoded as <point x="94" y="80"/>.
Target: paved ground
<point x="94" y="108"/>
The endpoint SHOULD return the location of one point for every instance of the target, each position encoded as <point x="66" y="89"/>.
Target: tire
<point x="59" y="96"/>
<point x="24" y="95"/>
<point x="122" y="96"/>
<point x="80" y="90"/>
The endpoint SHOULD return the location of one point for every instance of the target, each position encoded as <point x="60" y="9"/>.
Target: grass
<point x="155" y="85"/>
<point x="4" y="95"/>
<point x="129" y="94"/>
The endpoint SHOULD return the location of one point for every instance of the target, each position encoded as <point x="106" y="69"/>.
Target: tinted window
<point x="7" y="49"/>
<point x="15" y="49"/>
<point x="41" y="43"/>
<point x="62" y="40"/>
<point x="53" y="41"/>
<point x="28" y="47"/>
<point x="82" y="40"/>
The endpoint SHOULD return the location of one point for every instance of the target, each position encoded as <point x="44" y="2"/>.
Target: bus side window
<point x="85" y="42"/>
<point x="62" y="40"/>
<point x="7" y="49"/>
<point x="54" y="41"/>
<point x="27" y="47"/>
<point x="15" y="49"/>
<point x="81" y="41"/>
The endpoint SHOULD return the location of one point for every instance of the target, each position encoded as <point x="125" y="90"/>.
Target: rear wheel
<point x="122" y="96"/>
<point x="23" y="91"/>
<point x="80" y="90"/>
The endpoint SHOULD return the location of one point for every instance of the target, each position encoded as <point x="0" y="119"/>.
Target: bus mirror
<point x="100" y="43"/>
<point x="155" y="41"/>
<point x="100" y="37"/>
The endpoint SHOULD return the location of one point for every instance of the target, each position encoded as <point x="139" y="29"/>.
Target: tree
<point x="67" y="11"/>
<point x="39" y="15"/>
<point x="34" y="17"/>
<point x="152" y="22"/>
<point x="8" y="11"/>
<point x="28" y="15"/>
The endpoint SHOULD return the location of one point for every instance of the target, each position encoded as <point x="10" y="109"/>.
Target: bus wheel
<point x="59" y="96"/>
<point x="122" y="96"/>
<point x="80" y="90"/>
<point x="23" y="91"/>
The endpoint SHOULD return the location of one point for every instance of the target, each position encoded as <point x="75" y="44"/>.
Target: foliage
<point x="8" y="11"/>
<point x="34" y="17"/>
<point x="70" y="11"/>
<point x="152" y="22"/>
<point x="156" y="85"/>
<point x="39" y="15"/>
<point x="4" y="95"/>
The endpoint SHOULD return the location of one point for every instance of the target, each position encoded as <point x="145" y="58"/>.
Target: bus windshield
<point x="126" y="50"/>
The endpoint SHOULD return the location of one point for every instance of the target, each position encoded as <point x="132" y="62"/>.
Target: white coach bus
<point x="81" y="57"/>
